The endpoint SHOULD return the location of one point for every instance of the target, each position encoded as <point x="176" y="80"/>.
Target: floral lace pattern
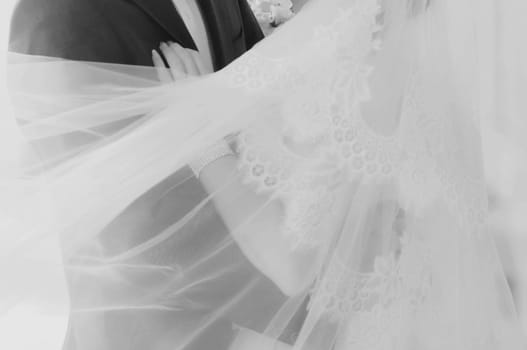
<point x="324" y="140"/>
<point x="331" y="126"/>
<point x="305" y="162"/>
<point x="279" y="171"/>
<point x="259" y="73"/>
<point x="373" y="301"/>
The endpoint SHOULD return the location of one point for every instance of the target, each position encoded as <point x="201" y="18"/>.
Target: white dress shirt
<point x="191" y="15"/>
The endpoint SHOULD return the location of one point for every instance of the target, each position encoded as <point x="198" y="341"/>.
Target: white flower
<point x="281" y="11"/>
<point x="272" y="12"/>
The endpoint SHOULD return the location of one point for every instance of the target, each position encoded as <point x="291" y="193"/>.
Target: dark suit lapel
<point x="165" y="13"/>
<point x="217" y="30"/>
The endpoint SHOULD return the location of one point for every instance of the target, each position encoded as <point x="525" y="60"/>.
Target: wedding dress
<point x="357" y="119"/>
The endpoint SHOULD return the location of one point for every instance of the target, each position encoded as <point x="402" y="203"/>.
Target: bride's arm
<point x="255" y="222"/>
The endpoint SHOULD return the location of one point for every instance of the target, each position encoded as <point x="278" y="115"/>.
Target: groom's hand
<point x="182" y="63"/>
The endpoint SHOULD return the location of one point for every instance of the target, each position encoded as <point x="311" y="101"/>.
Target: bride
<point x="343" y="155"/>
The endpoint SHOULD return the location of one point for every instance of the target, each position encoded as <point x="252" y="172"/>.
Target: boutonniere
<point x="281" y="11"/>
<point x="272" y="12"/>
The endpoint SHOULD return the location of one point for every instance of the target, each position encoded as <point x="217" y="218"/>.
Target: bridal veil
<point x="359" y="120"/>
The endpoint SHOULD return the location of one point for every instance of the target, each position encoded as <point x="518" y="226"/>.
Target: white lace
<point x="372" y="302"/>
<point x="325" y="141"/>
<point x="339" y="141"/>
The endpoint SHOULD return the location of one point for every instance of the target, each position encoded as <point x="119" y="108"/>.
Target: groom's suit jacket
<point x="126" y="32"/>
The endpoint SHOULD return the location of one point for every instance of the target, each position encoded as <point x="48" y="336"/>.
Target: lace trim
<point x="273" y="163"/>
<point x="325" y="139"/>
<point x="259" y="72"/>
<point x="340" y="146"/>
<point x="279" y="172"/>
<point x="374" y="302"/>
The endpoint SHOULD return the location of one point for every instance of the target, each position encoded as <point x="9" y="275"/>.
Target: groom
<point x="126" y="32"/>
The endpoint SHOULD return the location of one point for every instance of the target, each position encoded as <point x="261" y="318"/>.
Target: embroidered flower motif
<point x="341" y="145"/>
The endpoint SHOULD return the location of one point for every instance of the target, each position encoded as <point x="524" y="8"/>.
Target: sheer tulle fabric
<point x="354" y="217"/>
